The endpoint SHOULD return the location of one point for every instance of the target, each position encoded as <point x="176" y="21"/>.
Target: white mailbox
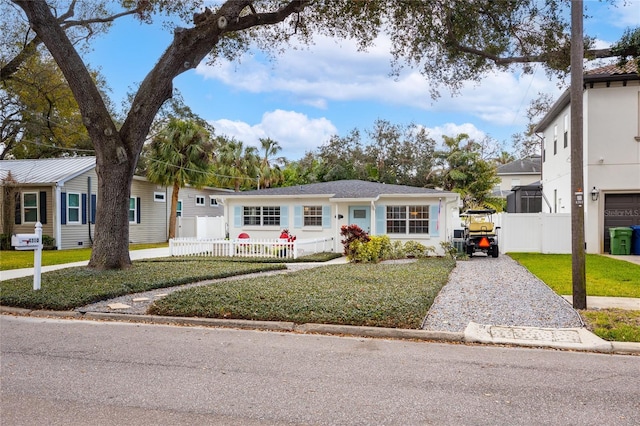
<point x="25" y="241"/>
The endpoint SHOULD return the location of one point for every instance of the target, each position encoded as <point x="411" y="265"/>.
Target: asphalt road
<point x="60" y="372"/>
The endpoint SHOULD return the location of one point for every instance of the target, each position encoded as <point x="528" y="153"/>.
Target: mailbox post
<point x="31" y="242"/>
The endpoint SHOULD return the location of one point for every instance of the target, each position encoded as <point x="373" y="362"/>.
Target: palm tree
<point x="236" y="165"/>
<point x="179" y="155"/>
<point x="270" y="172"/>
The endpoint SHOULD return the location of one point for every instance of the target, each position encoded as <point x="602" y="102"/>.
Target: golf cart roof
<point x="478" y="212"/>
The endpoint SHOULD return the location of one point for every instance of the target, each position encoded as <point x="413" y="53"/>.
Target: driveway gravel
<point x="497" y="291"/>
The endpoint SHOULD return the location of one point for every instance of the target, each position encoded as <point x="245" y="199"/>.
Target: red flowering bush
<point x="352" y="233"/>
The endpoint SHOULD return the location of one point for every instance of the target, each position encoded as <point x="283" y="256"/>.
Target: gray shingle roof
<point x="45" y="170"/>
<point x="341" y="189"/>
<point x="526" y="165"/>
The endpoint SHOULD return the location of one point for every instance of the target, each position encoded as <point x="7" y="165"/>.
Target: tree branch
<point x="30" y="48"/>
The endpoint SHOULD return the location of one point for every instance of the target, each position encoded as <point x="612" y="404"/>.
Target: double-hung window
<point x="30" y="207"/>
<point x="407" y="219"/>
<point x="132" y="210"/>
<point x="73" y="208"/>
<point x="261" y="216"/>
<point x="312" y="215"/>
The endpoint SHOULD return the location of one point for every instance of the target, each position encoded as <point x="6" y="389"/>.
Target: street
<point x="71" y="372"/>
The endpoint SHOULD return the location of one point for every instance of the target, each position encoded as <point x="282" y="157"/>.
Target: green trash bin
<point x="620" y="240"/>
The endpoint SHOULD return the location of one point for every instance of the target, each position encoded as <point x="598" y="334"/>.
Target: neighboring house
<point x="61" y="193"/>
<point x="319" y="210"/>
<point x="611" y="158"/>
<point x="520" y="185"/>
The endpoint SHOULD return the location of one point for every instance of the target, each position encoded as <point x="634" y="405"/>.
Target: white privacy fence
<point x="249" y="247"/>
<point x="201" y="227"/>
<point x="534" y="232"/>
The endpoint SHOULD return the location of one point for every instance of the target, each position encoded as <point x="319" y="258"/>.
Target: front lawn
<point x="614" y="324"/>
<point x="70" y="288"/>
<point x="381" y="295"/>
<point x="605" y="276"/>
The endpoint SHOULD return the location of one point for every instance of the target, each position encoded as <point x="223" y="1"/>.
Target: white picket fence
<point x="249" y="247"/>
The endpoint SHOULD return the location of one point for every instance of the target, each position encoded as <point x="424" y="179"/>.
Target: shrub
<point x="352" y="233"/>
<point x="373" y="251"/>
<point x="5" y="242"/>
<point x="450" y="250"/>
<point x="48" y="242"/>
<point x="396" y="250"/>
<point x="417" y="250"/>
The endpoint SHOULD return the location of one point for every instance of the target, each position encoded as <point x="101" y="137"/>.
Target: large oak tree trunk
<point x="111" y="240"/>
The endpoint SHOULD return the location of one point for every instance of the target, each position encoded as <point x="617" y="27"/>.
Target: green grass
<point x="69" y="288"/>
<point x="604" y="276"/>
<point x="614" y="324"/>
<point x="382" y="295"/>
<point x="15" y="259"/>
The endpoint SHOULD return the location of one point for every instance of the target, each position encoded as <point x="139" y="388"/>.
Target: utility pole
<point x="577" y="167"/>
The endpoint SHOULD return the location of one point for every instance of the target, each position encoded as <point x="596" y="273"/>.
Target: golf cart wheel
<point x="495" y="251"/>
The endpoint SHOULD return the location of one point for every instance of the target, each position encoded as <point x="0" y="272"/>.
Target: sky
<point x="306" y="96"/>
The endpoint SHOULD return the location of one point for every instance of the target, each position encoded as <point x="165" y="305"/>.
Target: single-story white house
<point x="319" y="210"/>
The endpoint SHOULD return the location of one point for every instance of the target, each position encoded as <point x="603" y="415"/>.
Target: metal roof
<point x="347" y="189"/>
<point x="46" y="170"/>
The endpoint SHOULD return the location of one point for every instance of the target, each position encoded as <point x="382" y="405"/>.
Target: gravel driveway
<point x="497" y="291"/>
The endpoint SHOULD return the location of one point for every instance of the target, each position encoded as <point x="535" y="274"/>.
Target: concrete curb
<point x="475" y="333"/>
<point x="579" y="339"/>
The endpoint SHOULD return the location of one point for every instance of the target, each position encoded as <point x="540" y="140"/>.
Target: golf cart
<point x="480" y="232"/>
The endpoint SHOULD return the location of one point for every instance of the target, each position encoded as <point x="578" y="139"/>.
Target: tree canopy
<point x="448" y="41"/>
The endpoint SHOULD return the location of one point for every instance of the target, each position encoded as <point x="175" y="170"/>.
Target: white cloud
<point x="452" y="130"/>
<point x="329" y="72"/>
<point x="626" y="13"/>
<point x="295" y="132"/>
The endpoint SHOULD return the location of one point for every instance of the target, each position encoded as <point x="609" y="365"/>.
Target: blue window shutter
<point x="84" y="209"/>
<point x="237" y="216"/>
<point x="63" y="208"/>
<point x="381" y="220"/>
<point x="326" y="216"/>
<point x="434" y="230"/>
<point x="138" y="209"/>
<point x="18" y="212"/>
<point x="284" y="217"/>
<point x="93" y="208"/>
<point x="43" y="207"/>
<point x="297" y="216"/>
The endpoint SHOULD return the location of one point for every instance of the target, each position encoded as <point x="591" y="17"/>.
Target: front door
<point x="361" y="216"/>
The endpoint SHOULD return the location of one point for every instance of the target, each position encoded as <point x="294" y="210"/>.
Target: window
<point x="312" y="215"/>
<point x="159" y="197"/>
<point x="555" y="140"/>
<point x="261" y="216"/>
<point x="199" y="200"/>
<point x="30" y="206"/>
<point x="132" y="210"/>
<point x="407" y="219"/>
<point x="566" y="130"/>
<point x="179" y="209"/>
<point x="213" y="202"/>
<point x="73" y="208"/>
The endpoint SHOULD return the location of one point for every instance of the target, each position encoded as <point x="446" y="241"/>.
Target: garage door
<point x="620" y="210"/>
